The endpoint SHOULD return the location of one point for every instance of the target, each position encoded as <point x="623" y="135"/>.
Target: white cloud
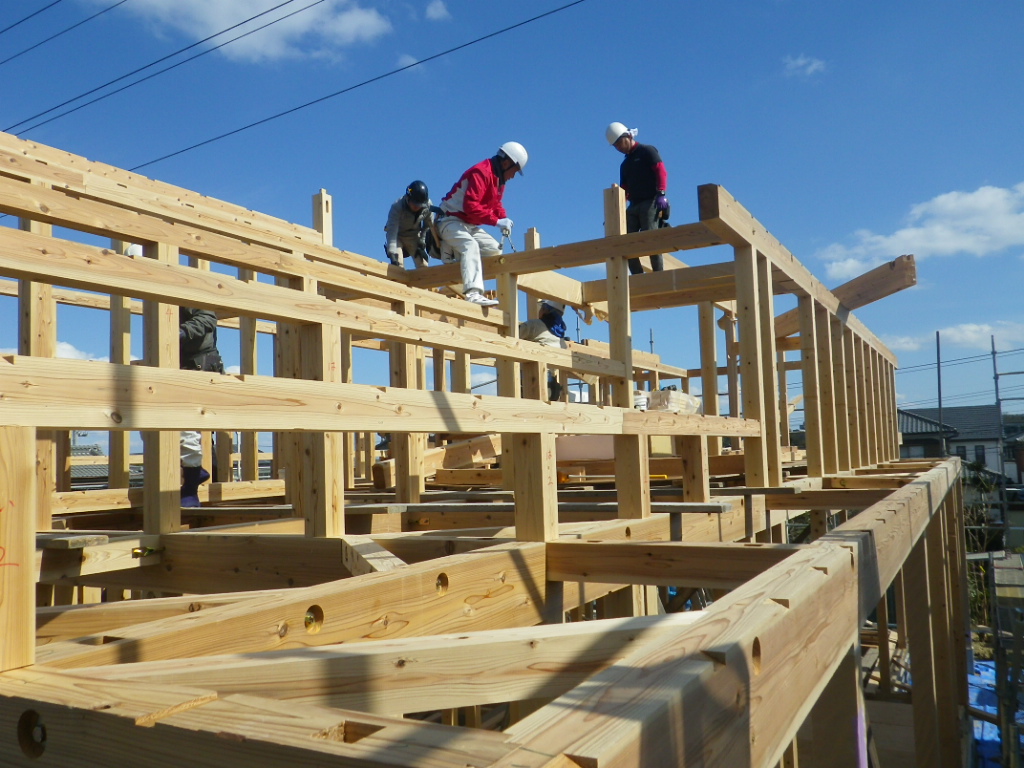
<point x="65" y="351"/>
<point x="902" y="343"/>
<point x="437" y="10"/>
<point x="70" y="352"/>
<point x="321" y="31"/>
<point x="978" y="223"/>
<point x="802" y="66"/>
<point x="405" y="60"/>
<point x="1008" y="335"/>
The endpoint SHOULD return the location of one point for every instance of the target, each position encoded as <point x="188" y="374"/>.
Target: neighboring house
<point x="976" y="439"/>
<point x="922" y="437"/>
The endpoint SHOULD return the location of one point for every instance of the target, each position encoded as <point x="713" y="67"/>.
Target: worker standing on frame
<point x="643" y="177"/>
<point x="476" y="200"/>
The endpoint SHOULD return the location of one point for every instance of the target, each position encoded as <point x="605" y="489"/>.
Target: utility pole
<point x="938" y="373"/>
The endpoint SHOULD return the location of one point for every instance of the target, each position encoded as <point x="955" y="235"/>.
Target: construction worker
<point x="408" y="221"/>
<point x="197" y="348"/>
<point x="474" y="201"/>
<point x="548" y="328"/>
<point x="644" y="178"/>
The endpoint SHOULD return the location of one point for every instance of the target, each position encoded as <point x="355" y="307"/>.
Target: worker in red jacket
<point x="644" y="178"/>
<point x="473" y="202"/>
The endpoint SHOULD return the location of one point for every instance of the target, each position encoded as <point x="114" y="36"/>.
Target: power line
<point x="168" y="69"/>
<point x="53" y="37"/>
<point x="147" y="66"/>
<point x="34" y="13"/>
<point x="359" y="85"/>
<point x="958" y="361"/>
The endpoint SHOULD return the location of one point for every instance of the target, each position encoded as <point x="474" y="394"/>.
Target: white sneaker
<point x="478" y="298"/>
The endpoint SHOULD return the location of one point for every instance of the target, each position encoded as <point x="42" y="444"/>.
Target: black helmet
<point x="417" y="193"/>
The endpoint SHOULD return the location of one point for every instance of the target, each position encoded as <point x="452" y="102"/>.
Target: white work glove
<point x="505" y="225"/>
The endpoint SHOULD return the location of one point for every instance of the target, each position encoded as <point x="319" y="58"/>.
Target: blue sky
<point x="854" y="132"/>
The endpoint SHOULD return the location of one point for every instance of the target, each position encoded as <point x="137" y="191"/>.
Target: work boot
<point x="193" y="477"/>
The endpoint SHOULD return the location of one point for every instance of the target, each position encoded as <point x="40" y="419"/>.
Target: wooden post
<point x="770" y="438"/>
<point x="323" y="216"/>
<point x="119" y="441"/>
<point x="161" y="499"/>
<point x="826" y="390"/>
<point x="18" y="480"/>
<point x="508" y="371"/>
<point x="853" y="420"/>
<point x="839" y="393"/>
<point x="867" y="455"/>
<point x="321" y="491"/>
<point x="248" y="447"/>
<point x="696" y="476"/>
<point x="812" y="409"/>
<point x="927" y="735"/>
<point x="709" y="369"/>
<point x="632" y="468"/>
<point x="942" y="643"/>
<point x="406" y="447"/>
<point x="838" y="721"/>
<point x="37" y="336"/>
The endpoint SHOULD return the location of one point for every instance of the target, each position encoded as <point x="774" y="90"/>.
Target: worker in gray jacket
<point x="408" y="222"/>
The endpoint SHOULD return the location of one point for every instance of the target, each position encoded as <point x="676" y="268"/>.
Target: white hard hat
<point x="616" y="131"/>
<point x="515" y="152"/>
<point x="555" y="305"/>
<point x="134" y="250"/>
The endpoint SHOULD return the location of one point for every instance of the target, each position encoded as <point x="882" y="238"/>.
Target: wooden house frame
<point x="307" y="630"/>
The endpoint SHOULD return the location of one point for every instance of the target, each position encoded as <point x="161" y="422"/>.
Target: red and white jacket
<point x="476" y="197"/>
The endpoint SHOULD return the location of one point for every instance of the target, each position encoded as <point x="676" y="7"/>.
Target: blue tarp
<point x="981" y="686"/>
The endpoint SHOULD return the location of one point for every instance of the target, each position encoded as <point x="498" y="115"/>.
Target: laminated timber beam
<point x="35" y="391"/>
<point x="682" y="237"/>
<point x="875" y="284"/>
<point x="30" y="256"/>
<point x="715" y="566"/>
<point x="73" y="721"/>
<point x="502" y="586"/>
<point x="419" y="674"/>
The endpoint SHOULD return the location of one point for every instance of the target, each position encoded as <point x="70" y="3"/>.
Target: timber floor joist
<point x="485" y="601"/>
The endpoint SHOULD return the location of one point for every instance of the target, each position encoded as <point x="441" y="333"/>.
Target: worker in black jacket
<point x="197" y="347"/>
<point x="644" y="178"/>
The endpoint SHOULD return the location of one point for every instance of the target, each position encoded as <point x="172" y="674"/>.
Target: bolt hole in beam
<point x="755" y="656"/>
<point x="314" y="619"/>
<point x="441" y="584"/>
<point x="31" y="734"/>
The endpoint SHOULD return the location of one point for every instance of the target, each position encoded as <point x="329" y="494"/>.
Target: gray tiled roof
<point x="972" y="422"/>
<point x="914" y="424"/>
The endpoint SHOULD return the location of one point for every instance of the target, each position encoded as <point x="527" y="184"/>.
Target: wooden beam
<point x="716" y="566"/>
<point x="875" y="284"/>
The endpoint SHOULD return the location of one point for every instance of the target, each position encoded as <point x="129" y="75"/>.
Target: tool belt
<point x="204" y="361"/>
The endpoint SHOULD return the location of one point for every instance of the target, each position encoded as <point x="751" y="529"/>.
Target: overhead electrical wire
<point x="34" y="13"/>
<point x="63" y="31"/>
<point x="360" y="85"/>
<point x="151" y="75"/>
<point x="9" y="128"/>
